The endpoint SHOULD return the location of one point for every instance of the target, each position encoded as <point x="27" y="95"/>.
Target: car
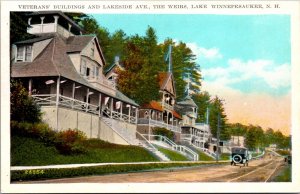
<point x="240" y="155"/>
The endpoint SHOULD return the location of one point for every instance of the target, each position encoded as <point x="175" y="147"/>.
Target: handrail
<point x="148" y="142"/>
<point x="180" y="148"/>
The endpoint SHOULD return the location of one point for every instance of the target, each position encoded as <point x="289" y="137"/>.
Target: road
<point x="260" y="170"/>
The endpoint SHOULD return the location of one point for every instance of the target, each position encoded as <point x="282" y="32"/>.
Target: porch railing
<point x="156" y="123"/>
<point x="179" y="148"/>
<point x="50" y="100"/>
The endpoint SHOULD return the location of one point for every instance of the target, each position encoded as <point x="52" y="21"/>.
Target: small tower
<point x="45" y="22"/>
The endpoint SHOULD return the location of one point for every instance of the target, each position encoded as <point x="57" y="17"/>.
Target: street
<point x="260" y="170"/>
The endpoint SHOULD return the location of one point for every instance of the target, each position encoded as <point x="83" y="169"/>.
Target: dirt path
<point x="221" y="173"/>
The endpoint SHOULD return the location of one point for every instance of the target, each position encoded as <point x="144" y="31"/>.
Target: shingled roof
<point x="153" y="105"/>
<point x="188" y="101"/>
<point x="54" y="61"/>
<point x="78" y="43"/>
<point x="163" y="78"/>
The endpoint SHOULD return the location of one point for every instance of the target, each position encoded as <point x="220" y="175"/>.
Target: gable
<point x="93" y="51"/>
<point x="166" y="82"/>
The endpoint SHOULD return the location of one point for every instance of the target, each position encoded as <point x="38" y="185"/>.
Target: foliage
<point x="163" y="132"/>
<point x="22" y="106"/>
<point x="217" y="110"/>
<point x="27" y="151"/>
<point x="202" y="100"/>
<point x="18" y="27"/>
<point x="283" y="152"/>
<point x="172" y="155"/>
<point x="68" y="142"/>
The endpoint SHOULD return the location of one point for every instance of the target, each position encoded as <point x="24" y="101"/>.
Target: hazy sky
<point x="244" y="59"/>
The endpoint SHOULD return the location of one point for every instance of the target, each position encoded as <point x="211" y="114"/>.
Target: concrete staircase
<point x="122" y="132"/>
<point x="131" y="138"/>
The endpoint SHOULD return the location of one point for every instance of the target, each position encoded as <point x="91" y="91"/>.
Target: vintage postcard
<point x="150" y="96"/>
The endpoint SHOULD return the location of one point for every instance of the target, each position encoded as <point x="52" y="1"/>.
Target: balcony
<point x="64" y="101"/>
<point x="162" y="124"/>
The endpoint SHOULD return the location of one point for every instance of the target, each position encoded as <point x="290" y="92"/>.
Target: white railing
<point x="186" y="136"/>
<point x="159" y="124"/>
<point x="50" y="100"/>
<point x="179" y="148"/>
<point x="44" y="99"/>
<point x="169" y="107"/>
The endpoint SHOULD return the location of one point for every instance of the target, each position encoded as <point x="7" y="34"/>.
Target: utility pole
<point x="218" y="137"/>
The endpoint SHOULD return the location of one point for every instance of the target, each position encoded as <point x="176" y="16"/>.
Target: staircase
<point x="147" y="145"/>
<point x="131" y="138"/>
<point x="122" y="132"/>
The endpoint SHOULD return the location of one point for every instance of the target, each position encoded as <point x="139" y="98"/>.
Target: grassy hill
<point x="30" y="152"/>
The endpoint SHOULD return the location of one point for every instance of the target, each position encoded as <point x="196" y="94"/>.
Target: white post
<point x="69" y="29"/>
<point x="42" y="23"/>
<point x="29" y="21"/>
<point x="136" y="115"/>
<point x="73" y="94"/>
<point x="99" y="105"/>
<point x="129" y="113"/>
<point x="121" y="111"/>
<point x="55" y="23"/>
<point x="30" y="87"/>
<point x="87" y="99"/>
<point x="57" y="100"/>
<point x="111" y="107"/>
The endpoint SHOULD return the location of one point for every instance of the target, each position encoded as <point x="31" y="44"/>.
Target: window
<point x="24" y="53"/>
<point x="88" y="72"/>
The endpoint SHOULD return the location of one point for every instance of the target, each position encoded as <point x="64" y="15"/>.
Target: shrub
<point x="69" y="141"/>
<point x="164" y="132"/>
<point x="22" y="106"/>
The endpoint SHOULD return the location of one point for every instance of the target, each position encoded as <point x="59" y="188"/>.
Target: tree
<point x="18" y="27"/>
<point x="203" y="101"/>
<point x="139" y="81"/>
<point x="216" y="109"/>
<point x="22" y="106"/>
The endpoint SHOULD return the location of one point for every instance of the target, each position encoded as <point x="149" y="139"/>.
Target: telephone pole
<point x="218" y="137"/>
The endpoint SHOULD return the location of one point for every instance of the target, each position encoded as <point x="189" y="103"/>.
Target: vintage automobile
<point x="239" y="155"/>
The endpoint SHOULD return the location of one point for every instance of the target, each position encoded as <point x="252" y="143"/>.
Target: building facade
<point x="63" y="71"/>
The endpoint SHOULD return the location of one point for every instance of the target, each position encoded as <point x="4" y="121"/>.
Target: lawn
<point x="27" y="151"/>
<point x="285" y="175"/>
<point x="204" y="157"/>
<point x="172" y="155"/>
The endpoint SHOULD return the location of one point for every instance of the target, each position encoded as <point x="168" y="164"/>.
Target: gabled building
<point x="161" y="113"/>
<point x="63" y="71"/>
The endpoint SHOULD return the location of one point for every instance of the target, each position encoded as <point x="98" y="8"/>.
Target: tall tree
<point x="18" y="27"/>
<point x="217" y="110"/>
<point x="202" y="100"/>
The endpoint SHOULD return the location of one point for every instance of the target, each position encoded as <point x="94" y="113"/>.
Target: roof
<point x="37" y="39"/>
<point x="176" y="114"/>
<point x="188" y="101"/>
<point x="112" y="66"/>
<point x="123" y="97"/>
<point x="163" y="78"/>
<point x="60" y="13"/>
<point x="153" y="105"/>
<point x="54" y="61"/>
<point x="78" y="43"/>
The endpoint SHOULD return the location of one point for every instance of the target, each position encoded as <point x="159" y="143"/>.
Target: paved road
<point x="257" y="171"/>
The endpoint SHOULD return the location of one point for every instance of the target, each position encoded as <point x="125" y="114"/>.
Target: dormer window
<point x="24" y="53"/>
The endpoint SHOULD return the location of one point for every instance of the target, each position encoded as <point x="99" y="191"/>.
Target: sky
<point x="245" y="60"/>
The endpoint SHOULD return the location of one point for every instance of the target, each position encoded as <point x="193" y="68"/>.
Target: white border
<point x="291" y="8"/>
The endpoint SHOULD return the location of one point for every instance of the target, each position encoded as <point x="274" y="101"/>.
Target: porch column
<point x="136" y="114"/>
<point x="42" y="23"/>
<point x="111" y="107"/>
<point x="129" y="113"/>
<point x="30" y="87"/>
<point x="73" y="93"/>
<point x="99" y="105"/>
<point x="121" y="111"/>
<point x="55" y="22"/>
<point x="57" y="90"/>
<point x="87" y="99"/>
<point x="57" y="100"/>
